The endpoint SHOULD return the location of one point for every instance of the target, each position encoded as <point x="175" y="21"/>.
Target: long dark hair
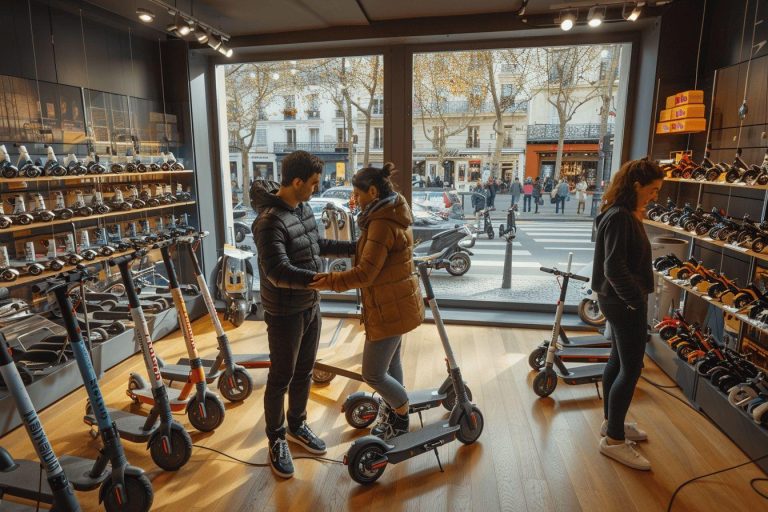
<point x="622" y="190"/>
<point x="379" y="178"/>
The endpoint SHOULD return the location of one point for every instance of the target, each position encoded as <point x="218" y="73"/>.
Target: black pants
<point x="526" y="203"/>
<point x="536" y="202"/>
<point x="293" y="341"/>
<point x="629" y="331"/>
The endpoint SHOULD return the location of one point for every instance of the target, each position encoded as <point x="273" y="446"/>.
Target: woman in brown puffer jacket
<point x="392" y="302"/>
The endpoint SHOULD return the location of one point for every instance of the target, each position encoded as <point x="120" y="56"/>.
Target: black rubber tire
<point x="239" y="389"/>
<point x="470" y="427"/>
<point x="545" y="382"/>
<point x="358" y="473"/>
<point x="361" y="411"/>
<point x="214" y="413"/>
<point x="758" y="245"/>
<point x="490" y="233"/>
<point x="667" y="332"/>
<point x="450" y="398"/>
<point x="180" y="449"/>
<point x="116" y="327"/>
<point x="537" y="358"/>
<point x="99" y="335"/>
<point x="461" y="268"/>
<point x="135" y="381"/>
<point x="138" y="489"/>
<point x="322" y="377"/>
<point x="587" y="308"/>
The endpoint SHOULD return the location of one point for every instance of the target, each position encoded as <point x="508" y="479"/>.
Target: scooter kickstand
<point x="439" y="464"/>
<point x="421" y="420"/>
<point x="597" y="388"/>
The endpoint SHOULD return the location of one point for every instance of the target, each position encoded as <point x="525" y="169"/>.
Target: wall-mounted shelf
<point x="718" y="184"/>
<point x="94" y="177"/>
<point x="718" y="243"/>
<point x="80" y="220"/>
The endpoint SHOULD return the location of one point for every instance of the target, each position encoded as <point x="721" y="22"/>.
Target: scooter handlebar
<point x="139" y="253"/>
<point x="564" y="274"/>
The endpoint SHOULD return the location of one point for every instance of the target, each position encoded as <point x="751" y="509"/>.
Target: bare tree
<point x="571" y="82"/>
<point x="249" y="89"/>
<point x="365" y="74"/>
<point x="449" y="89"/>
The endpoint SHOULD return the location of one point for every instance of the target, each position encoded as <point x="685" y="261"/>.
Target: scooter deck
<point x="421" y="397"/>
<point x="24" y="481"/>
<point x="584" y="374"/>
<point x="244" y="360"/>
<point x="176" y="372"/>
<point x="173" y="397"/>
<point x="584" y="354"/>
<point x="420" y="441"/>
<point x="130" y="426"/>
<point x="594" y="341"/>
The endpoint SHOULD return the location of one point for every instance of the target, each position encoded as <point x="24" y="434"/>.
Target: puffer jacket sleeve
<point x="270" y="236"/>
<point x="379" y="242"/>
<point x="336" y="248"/>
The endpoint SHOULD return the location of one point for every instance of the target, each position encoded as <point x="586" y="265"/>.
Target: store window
<point x="314" y="135"/>
<point x="290" y="136"/>
<point x="491" y="116"/>
<point x="378" y="138"/>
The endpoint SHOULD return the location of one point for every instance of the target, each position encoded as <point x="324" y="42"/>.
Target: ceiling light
<point x="185" y="28"/>
<point x="214" y="42"/>
<point x="225" y="51"/>
<point x="567" y="19"/>
<point x="145" y="15"/>
<point x="202" y="37"/>
<point x="596" y="16"/>
<point x="631" y="11"/>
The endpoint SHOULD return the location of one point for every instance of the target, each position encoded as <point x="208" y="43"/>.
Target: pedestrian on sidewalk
<point x="527" y="194"/>
<point x="581" y="196"/>
<point x="491" y="193"/>
<point x="537" y="193"/>
<point x="516" y="189"/>
<point x="479" y="200"/>
<point x="561" y="195"/>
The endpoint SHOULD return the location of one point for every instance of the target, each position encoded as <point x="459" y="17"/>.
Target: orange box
<point x="689" y="98"/>
<point x="663" y="128"/>
<point x="665" y="115"/>
<point x="671" y="101"/>
<point x="686" y="111"/>
<point x="691" y="125"/>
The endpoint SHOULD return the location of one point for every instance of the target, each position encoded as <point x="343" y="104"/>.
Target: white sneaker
<point x="631" y="431"/>
<point x="625" y="453"/>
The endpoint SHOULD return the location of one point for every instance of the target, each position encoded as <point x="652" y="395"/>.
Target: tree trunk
<point x="352" y="159"/>
<point x="560" y="145"/>
<point x="498" y="126"/>
<point x="246" y="174"/>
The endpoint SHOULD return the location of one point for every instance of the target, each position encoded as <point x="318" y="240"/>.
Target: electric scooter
<point x="447" y="250"/>
<point x="204" y="409"/>
<point x="235" y="384"/>
<point x="234" y="283"/>
<point x="59" y="491"/>
<point x="545" y="381"/>
<point x="169" y="443"/>
<point x="126" y="487"/>
<point x="368" y="456"/>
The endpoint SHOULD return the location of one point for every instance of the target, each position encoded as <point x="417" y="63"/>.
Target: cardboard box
<point x="665" y="115"/>
<point x="686" y="111"/>
<point x="692" y="125"/>
<point x="671" y="101"/>
<point x="689" y="98"/>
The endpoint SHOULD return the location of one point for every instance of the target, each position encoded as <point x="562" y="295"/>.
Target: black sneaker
<point x="280" y="458"/>
<point x="395" y="425"/>
<point x="380" y="428"/>
<point x="306" y="438"/>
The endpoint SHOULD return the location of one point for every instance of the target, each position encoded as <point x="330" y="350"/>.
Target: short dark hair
<point x="373" y="176"/>
<point x="300" y="164"/>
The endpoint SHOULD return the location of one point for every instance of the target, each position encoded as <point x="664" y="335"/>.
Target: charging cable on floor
<point x="752" y="483"/>
<point x="264" y="465"/>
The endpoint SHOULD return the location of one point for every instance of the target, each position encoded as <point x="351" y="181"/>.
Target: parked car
<point x="319" y="203"/>
<point x="344" y="192"/>
<point x="426" y="224"/>
<point x="446" y="203"/>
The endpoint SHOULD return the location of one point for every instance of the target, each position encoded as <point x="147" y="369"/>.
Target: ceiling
<point x="253" y="17"/>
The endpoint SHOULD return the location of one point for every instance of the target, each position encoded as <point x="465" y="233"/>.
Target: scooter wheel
<point x="758" y="245"/>
<point x="458" y="264"/>
<point x="361" y="410"/>
<point x="470" y="427"/>
<point x="322" y="376"/>
<point x="490" y="233"/>
<point x="137" y="495"/>
<point x="207" y="416"/>
<point x="171" y="452"/>
<point x="590" y="314"/>
<point x="545" y="382"/>
<point x="136" y="382"/>
<point x="360" y="466"/>
<point x="116" y="327"/>
<point x="667" y="332"/>
<point x="99" y="335"/>
<point x="450" y="397"/>
<point x="236" y="387"/>
<point x="537" y="358"/>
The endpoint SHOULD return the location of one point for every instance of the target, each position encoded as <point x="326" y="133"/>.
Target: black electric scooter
<point x="368" y="456"/>
<point x="126" y="488"/>
<point x="59" y="491"/>
<point x="447" y="249"/>
<point x="545" y="381"/>
<point x="169" y="443"/>
<point x="235" y="383"/>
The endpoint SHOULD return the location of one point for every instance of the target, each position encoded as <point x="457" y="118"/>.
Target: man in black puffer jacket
<point x="289" y="253"/>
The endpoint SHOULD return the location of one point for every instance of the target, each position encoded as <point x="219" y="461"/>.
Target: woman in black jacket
<point x="623" y="282"/>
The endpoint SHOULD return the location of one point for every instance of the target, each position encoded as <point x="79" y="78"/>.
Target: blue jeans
<point x="559" y="203"/>
<point x="383" y="371"/>
<point x="526" y="203"/>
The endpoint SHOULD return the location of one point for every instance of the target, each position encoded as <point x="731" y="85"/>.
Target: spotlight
<point x="213" y="42"/>
<point x="202" y="37"/>
<point x="567" y="19"/>
<point x="631" y="11"/>
<point x="185" y="27"/>
<point x="225" y="51"/>
<point x="145" y="15"/>
<point x="596" y="16"/>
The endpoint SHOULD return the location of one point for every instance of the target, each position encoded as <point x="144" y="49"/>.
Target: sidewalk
<point x="546" y="211"/>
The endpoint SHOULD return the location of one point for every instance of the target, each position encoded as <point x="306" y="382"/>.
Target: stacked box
<point x="684" y="114"/>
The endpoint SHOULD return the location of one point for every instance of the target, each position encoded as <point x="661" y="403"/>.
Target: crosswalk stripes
<point x="570" y="241"/>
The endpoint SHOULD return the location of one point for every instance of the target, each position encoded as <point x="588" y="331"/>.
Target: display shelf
<point x="677" y="369"/>
<point x="79" y="220"/>
<point x="718" y="243"/>
<point x="718" y="183"/>
<point x="95" y="177"/>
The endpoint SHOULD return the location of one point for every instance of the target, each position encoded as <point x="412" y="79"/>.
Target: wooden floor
<point x="534" y="455"/>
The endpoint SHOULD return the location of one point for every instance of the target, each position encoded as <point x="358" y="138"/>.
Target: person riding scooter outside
<point x="391" y="295"/>
<point x="623" y="282"/>
<point x="290" y="253"/>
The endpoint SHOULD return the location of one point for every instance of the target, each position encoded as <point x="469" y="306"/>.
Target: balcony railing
<point x="312" y="147"/>
<point x="464" y="106"/>
<point x="573" y="132"/>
